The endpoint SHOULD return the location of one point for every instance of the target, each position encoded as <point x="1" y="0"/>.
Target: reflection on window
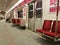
<point x="30" y="11"/>
<point x="20" y="14"/>
<point x="39" y="9"/>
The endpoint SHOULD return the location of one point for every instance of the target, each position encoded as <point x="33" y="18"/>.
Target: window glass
<point x="30" y="11"/>
<point x="39" y="9"/>
<point x="20" y="14"/>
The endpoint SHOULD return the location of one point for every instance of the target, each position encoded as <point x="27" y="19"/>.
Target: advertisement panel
<point x="53" y="6"/>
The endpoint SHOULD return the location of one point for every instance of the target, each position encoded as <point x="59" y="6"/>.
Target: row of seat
<point x="20" y="22"/>
<point x="16" y="21"/>
<point x="49" y="29"/>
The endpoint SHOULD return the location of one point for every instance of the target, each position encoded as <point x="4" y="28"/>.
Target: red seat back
<point x="17" y="21"/>
<point x="13" y="20"/>
<point x="47" y="24"/>
<point x="54" y="26"/>
<point x="58" y="27"/>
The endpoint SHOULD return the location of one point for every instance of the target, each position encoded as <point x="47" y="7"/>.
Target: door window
<point x="39" y="9"/>
<point x="20" y="14"/>
<point x="30" y="11"/>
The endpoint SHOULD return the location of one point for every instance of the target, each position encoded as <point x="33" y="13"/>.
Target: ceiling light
<point x="16" y="4"/>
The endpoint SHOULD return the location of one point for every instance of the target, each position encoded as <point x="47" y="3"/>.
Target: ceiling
<point x="6" y="4"/>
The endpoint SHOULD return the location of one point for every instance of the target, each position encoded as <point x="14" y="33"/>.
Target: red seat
<point x="46" y="26"/>
<point x="18" y="21"/>
<point x="52" y="33"/>
<point x="13" y="20"/>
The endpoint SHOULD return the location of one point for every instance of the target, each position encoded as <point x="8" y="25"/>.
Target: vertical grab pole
<point x="34" y="16"/>
<point x="57" y="17"/>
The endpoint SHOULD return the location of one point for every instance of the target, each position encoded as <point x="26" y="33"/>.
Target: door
<point x="31" y="17"/>
<point x="38" y="19"/>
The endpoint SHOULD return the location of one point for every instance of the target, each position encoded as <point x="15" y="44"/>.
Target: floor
<point x="13" y="35"/>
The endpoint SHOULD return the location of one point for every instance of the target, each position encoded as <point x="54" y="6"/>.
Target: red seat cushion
<point x="51" y="34"/>
<point x="40" y="30"/>
<point x="58" y="34"/>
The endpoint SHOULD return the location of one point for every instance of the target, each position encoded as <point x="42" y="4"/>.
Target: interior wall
<point x="46" y="14"/>
<point x="25" y="14"/>
<point x="15" y="14"/>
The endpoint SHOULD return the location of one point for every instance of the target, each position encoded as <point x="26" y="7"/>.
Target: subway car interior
<point x="29" y="22"/>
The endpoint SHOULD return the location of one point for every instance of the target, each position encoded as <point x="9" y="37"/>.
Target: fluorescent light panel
<point x="18" y="2"/>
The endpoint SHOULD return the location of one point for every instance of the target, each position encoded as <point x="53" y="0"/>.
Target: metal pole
<point x="57" y="17"/>
<point x="34" y="16"/>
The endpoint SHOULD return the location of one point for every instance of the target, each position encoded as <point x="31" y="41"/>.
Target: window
<point x="20" y="14"/>
<point x="30" y="11"/>
<point x="39" y="9"/>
